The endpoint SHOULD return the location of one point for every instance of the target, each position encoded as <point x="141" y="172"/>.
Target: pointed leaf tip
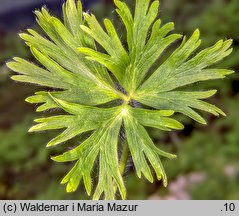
<point x="197" y="32"/>
<point x="52" y="143"/>
<point x="63" y="181"/>
<point x="86" y="15"/>
<point x="212" y="92"/>
<point x="155" y="4"/>
<point x="223" y="113"/>
<point x="117" y="2"/>
<point x="70" y="188"/>
<point x="32" y="129"/>
<point x="165" y="183"/>
<point x="173" y="156"/>
<point x="49" y="145"/>
<point x="55" y="158"/>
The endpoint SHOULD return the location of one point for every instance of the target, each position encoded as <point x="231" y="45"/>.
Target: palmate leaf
<point x="109" y="104"/>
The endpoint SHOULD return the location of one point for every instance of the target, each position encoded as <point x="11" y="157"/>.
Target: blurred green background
<point x="207" y="166"/>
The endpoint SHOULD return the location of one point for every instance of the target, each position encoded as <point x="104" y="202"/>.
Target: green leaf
<point x="105" y="93"/>
<point x="182" y="102"/>
<point x="156" y="119"/>
<point x="102" y="142"/>
<point x="78" y="88"/>
<point x="118" y="57"/>
<point x="63" y="50"/>
<point x="73" y="17"/>
<point x="179" y="70"/>
<point x="82" y="119"/>
<point x="142" y="148"/>
<point x="127" y="18"/>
